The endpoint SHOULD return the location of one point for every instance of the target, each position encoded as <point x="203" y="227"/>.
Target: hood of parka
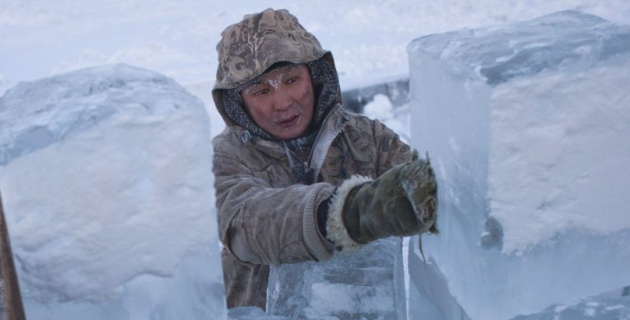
<point x="250" y="47"/>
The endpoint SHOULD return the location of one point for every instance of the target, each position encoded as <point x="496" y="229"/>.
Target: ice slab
<point x="252" y="313"/>
<point x="527" y="126"/>
<point x="366" y="284"/>
<point x="107" y="185"/>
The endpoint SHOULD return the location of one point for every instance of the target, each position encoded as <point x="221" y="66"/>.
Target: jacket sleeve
<point x="260" y="224"/>
<point x="391" y="150"/>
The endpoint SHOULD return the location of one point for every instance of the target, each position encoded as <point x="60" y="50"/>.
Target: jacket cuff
<point x="316" y="244"/>
<point x="337" y="232"/>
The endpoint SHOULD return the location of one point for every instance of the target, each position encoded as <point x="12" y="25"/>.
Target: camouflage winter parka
<point x="267" y="194"/>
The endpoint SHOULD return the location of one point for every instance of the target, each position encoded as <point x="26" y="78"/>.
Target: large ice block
<point x="107" y="185"/>
<point x="366" y="284"/>
<point x="527" y="125"/>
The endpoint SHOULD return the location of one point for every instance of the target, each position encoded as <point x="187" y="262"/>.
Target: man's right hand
<point x="401" y="202"/>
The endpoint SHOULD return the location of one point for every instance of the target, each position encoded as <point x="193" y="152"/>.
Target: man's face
<point x="282" y="101"/>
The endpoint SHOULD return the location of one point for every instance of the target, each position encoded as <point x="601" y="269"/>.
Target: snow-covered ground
<point x="177" y="38"/>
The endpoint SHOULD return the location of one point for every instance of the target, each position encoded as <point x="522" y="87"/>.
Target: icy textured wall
<point x="107" y="185"/>
<point x="527" y="125"/>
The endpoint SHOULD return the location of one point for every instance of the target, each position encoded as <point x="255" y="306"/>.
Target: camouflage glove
<point x="401" y="202"/>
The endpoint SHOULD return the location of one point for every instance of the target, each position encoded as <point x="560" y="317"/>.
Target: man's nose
<point x="281" y="100"/>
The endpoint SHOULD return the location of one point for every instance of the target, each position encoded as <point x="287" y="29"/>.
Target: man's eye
<point x="292" y="80"/>
<point x="260" y="92"/>
<point x="255" y="91"/>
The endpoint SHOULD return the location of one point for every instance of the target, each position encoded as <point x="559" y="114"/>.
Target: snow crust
<point x="526" y="124"/>
<point x="106" y="182"/>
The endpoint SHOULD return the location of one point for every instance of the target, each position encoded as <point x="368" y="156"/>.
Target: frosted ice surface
<point x="614" y="305"/>
<point x="107" y="185"/>
<point x="560" y="41"/>
<point x="366" y="284"/>
<point x="252" y="313"/>
<point x="527" y="126"/>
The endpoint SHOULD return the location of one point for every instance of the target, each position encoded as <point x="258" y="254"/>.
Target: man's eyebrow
<point x="254" y="82"/>
<point x="259" y="80"/>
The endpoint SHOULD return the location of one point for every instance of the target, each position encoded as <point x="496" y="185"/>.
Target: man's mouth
<point x="289" y="122"/>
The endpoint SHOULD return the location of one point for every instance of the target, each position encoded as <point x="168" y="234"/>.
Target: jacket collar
<point x="331" y="127"/>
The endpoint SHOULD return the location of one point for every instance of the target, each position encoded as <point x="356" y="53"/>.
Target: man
<point x="293" y="170"/>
